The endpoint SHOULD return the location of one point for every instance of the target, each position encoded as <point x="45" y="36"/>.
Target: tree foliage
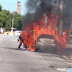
<point x="6" y="19"/>
<point x="18" y="21"/>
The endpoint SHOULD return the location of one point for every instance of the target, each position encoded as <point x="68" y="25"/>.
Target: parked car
<point x="17" y="33"/>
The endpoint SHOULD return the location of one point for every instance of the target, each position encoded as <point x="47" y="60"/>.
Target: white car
<point x="17" y="33"/>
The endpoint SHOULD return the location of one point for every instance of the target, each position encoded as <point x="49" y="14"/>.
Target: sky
<point x="11" y="5"/>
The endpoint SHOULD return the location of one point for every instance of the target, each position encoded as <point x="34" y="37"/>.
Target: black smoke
<point x="67" y="14"/>
<point x="39" y="7"/>
<point x="36" y="9"/>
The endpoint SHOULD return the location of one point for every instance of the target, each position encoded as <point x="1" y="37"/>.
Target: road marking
<point x="62" y="69"/>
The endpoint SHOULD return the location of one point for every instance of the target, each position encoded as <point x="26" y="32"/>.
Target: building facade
<point x="19" y="7"/>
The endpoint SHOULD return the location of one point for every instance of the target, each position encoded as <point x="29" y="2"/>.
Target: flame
<point x="33" y="31"/>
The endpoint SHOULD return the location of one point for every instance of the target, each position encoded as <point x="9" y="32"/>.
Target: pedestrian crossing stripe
<point x="62" y="69"/>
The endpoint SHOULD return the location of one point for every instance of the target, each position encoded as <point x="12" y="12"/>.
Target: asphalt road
<point x="15" y="60"/>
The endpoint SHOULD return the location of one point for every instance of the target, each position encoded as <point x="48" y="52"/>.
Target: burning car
<point x="32" y="32"/>
<point x="46" y="39"/>
<point x="46" y="18"/>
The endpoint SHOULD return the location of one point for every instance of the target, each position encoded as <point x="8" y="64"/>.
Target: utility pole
<point x="12" y="23"/>
<point x="61" y="21"/>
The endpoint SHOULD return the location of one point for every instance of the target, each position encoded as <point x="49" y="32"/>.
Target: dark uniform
<point x="21" y="41"/>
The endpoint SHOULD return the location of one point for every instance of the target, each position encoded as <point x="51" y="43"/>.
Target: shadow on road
<point x="46" y="49"/>
<point x="10" y="48"/>
<point x="21" y="49"/>
<point x="52" y="49"/>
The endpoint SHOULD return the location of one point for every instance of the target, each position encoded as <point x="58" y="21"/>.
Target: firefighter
<point x="21" y="41"/>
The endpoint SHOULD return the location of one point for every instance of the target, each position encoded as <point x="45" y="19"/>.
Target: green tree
<point x="18" y="21"/>
<point x="6" y="19"/>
